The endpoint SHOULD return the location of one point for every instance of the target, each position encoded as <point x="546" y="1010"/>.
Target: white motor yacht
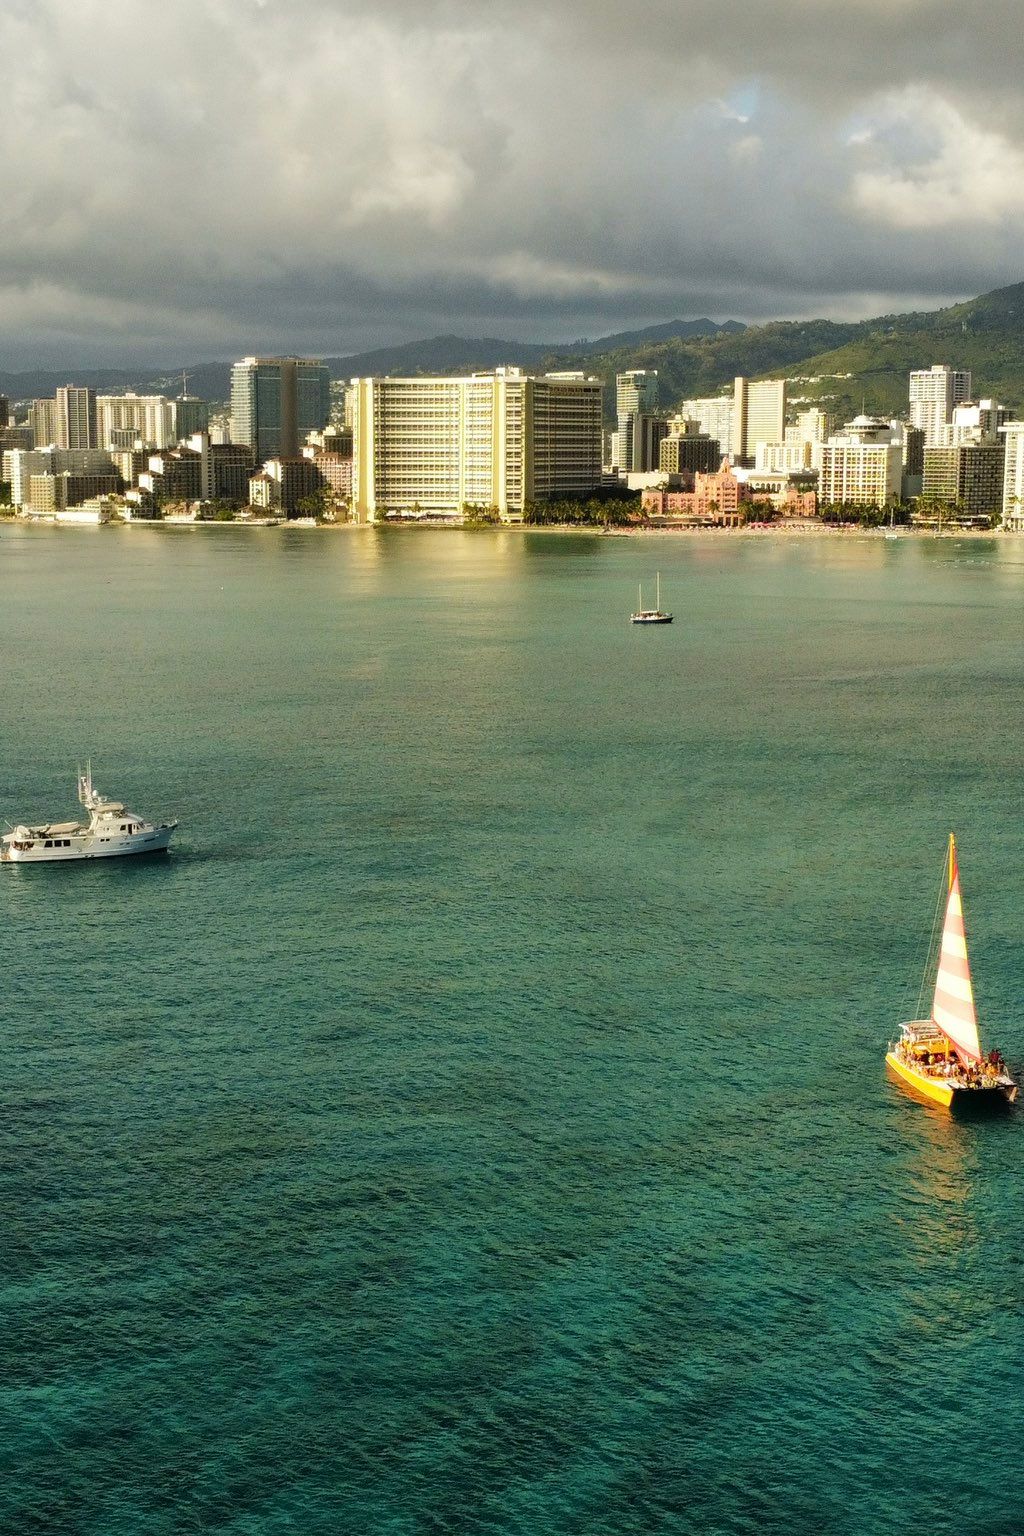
<point x="112" y="831"/>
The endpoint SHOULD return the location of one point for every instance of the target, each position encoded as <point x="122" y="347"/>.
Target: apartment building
<point x="496" y="440"/>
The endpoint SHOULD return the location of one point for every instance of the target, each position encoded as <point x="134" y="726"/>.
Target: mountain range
<point x="844" y="365"/>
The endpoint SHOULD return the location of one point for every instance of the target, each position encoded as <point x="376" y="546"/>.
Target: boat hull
<point x="153" y="840"/>
<point x="949" y="1095"/>
<point x="664" y="618"/>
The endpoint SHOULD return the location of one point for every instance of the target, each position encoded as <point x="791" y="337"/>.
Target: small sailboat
<point x="941" y="1057"/>
<point x="651" y="615"/>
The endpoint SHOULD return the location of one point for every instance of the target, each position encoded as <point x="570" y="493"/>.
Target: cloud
<point x="330" y="174"/>
<point x="969" y="175"/>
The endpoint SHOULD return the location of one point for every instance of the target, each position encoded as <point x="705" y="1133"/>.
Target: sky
<point x="201" y="179"/>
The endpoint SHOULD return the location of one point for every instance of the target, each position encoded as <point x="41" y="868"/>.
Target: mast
<point x="953" y="1004"/>
<point x="85" y="792"/>
<point x="657" y="600"/>
<point x="640" y="602"/>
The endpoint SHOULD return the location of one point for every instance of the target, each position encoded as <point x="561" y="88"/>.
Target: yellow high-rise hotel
<point x="490" y="441"/>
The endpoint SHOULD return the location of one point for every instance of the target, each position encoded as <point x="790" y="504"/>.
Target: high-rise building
<point x="19" y="465"/>
<point x="42" y="418"/>
<point x="74" y="411"/>
<point x="713" y="414"/>
<point x="5" y="411"/>
<point x="913" y="451"/>
<point x="275" y="401"/>
<point x="498" y="440"/>
<point x="934" y="393"/>
<point x="225" y="469"/>
<point x="173" y="475"/>
<point x="759" y="416"/>
<point x="191" y="415"/>
<point x="689" y="451"/>
<point x="15" y="437"/>
<point x="49" y="493"/>
<point x="862" y="464"/>
<point x="969" y="475"/>
<point x="975" y="421"/>
<point x="812" y="426"/>
<point x="123" y="420"/>
<point x="1013" y="476"/>
<point x="636" y="392"/>
<point x="783" y="458"/>
<point x="634" y="443"/>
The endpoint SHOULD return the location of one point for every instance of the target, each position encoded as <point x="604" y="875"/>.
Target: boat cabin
<point x="925" y="1041"/>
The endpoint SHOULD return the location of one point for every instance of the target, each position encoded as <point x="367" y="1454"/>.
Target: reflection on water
<point x="560" y="545"/>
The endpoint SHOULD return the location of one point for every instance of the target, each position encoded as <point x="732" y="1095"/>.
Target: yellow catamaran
<point x="941" y="1057"/>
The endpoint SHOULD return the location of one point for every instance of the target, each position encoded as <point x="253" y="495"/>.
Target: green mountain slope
<point x="844" y="366"/>
<point x="985" y="335"/>
<point x="703" y="365"/>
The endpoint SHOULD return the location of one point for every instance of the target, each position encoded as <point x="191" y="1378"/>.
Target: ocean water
<point x="478" y="1124"/>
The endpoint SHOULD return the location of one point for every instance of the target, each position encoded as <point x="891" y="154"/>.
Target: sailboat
<point x="942" y="1056"/>
<point x="650" y="615"/>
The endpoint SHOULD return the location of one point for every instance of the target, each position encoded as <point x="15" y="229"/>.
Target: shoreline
<point x="774" y="530"/>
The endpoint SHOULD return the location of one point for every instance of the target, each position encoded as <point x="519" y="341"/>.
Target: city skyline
<point x="421" y="170"/>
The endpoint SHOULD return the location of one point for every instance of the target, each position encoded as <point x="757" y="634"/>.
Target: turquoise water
<point x="478" y="1124"/>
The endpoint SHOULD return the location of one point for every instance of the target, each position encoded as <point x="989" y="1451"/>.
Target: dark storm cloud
<point x="228" y="173"/>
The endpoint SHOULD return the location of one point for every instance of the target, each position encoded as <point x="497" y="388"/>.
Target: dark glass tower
<point x="275" y="401"/>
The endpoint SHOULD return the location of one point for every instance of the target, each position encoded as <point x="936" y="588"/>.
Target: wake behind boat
<point x="942" y="1056"/>
<point x="112" y="832"/>
<point x="653" y="615"/>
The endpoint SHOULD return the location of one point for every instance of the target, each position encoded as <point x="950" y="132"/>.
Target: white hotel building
<point x="492" y="440"/>
<point x="1013" y="476"/>
<point x="934" y="394"/>
<point x="862" y="464"/>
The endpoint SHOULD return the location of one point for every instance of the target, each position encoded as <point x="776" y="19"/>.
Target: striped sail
<point x="953" y="1007"/>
